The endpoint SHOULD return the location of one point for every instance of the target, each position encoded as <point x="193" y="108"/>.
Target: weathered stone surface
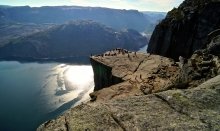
<point x="185" y="29"/>
<point x="199" y="68"/>
<point x="140" y="100"/>
<point x="137" y="74"/>
<point x="190" y="109"/>
<point x="135" y="91"/>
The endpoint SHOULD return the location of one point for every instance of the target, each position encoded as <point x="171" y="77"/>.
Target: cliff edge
<point x="148" y="92"/>
<point x="185" y="29"/>
<point x="136" y="91"/>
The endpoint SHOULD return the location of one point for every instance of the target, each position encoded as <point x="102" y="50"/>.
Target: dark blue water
<point x="31" y="93"/>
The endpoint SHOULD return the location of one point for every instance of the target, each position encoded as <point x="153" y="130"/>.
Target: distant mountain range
<point x="9" y="31"/>
<point x="154" y="17"/>
<point x="78" y="38"/>
<point x="115" y="18"/>
<point x="46" y="32"/>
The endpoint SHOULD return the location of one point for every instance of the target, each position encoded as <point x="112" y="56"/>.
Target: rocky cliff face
<point x="155" y="93"/>
<point x="148" y="98"/>
<point x="138" y="73"/>
<point x="103" y="76"/>
<point x="185" y="29"/>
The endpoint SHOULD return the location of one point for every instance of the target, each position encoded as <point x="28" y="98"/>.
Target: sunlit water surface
<point x="31" y="93"/>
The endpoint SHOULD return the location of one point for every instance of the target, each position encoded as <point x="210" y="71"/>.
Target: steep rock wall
<point x="128" y="73"/>
<point x="103" y="75"/>
<point x="185" y="29"/>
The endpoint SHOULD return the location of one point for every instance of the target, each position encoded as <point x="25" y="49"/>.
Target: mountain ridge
<point x="115" y="18"/>
<point x="77" y="38"/>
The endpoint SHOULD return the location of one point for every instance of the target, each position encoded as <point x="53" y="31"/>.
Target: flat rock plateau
<point x="136" y="91"/>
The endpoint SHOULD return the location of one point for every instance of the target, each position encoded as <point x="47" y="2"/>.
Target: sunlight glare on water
<point x="73" y="81"/>
<point x="79" y="75"/>
<point x="32" y="93"/>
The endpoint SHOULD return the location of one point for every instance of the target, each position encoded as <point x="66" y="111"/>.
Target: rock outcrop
<point x="154" y="93"/>
<point x="136" y="73"/>
<point x="185" y="29"/>
<point x="148" y="74"/>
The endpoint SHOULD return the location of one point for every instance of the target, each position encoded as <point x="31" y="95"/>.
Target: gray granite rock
<point x="190" y="109"/>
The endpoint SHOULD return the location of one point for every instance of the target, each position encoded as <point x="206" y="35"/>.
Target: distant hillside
<point x="154" y="18"/>
<point x="12" y="31"/>
<point x="117" y="19"/>
<point x="79" y="38"/>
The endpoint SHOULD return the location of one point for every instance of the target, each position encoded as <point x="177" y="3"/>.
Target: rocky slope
<point x="80" y="38"/>
<point x="191" y="109"/>
<point x="135" y="91"/>
<point x="185" y="29"/>
<point x="149" y="92"/>
<point x="153" y="93"/>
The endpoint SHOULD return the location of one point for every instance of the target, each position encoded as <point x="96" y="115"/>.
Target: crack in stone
<point x="66" y="124"/>
<point x="118" y="122"/>
<point x="138" y="66"/>
<point x="125" y="76"/>
<point x="179" y="111"/>
<point x="167" y="102"/>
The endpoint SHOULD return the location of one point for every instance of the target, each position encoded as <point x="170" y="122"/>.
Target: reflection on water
<point x="31" y="93"/>
<point x="77" y="75"/>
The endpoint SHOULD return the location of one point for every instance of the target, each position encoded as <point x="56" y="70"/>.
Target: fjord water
<point x="31" y="93"/>
<point x="143" y="49"/>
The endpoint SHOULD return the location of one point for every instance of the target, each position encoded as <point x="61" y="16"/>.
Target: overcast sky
<point x="141" y="5"/>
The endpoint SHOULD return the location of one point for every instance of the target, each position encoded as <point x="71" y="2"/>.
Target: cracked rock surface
<point x="150" y="95"/>
<point x="190" y="109"/>
<point x="140" y="74"/>
<point x="138" y="91"/>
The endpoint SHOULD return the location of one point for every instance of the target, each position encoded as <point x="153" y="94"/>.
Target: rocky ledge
<point x="135" y="91"/>
<point x="128" y="73"/>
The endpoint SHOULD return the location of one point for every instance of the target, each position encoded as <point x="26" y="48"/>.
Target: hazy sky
<point x="142" y="5"/>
